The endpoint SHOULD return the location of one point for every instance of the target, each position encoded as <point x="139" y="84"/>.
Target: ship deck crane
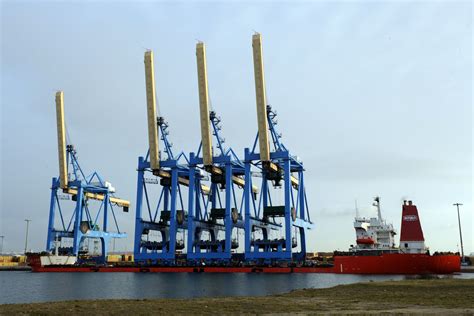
<point x="279" y="168"/>
<point x="217" y="214"/>
<point x="172" y="174"/>
<point x="85" y="221"/>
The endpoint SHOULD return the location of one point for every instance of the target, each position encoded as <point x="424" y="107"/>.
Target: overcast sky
<point x="375" y="98"/>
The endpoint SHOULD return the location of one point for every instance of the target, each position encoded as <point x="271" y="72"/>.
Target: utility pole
<point x="1" y="244"/>
<point x="26" y="239"/>
<point x="460" y="233"/>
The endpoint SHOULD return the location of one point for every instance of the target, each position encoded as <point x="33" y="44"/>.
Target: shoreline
<point x="468" y="269"/>
<point x="452" y="296"/>
<point x="15" y="268"/>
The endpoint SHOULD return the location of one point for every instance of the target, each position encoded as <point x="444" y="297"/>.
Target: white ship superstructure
<point x="57" y="259"/>
<point x="373" y="233"/>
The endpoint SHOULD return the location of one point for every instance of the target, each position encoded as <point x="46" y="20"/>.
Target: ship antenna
<point x="357" y="209"/>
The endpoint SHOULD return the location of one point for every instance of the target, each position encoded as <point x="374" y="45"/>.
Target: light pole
<point x="460" y="233"/>
<point x="1" y="245"/>
<point x="26" y="239"/>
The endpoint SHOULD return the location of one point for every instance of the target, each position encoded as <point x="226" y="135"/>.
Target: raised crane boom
<point x="204" y="104"/>
<point x="153" y="123"/>
<point x="151" y="111"/>
<point x="85" y="223"/>
<point x="262" y="113"/>
<point x="64" y="149"/>
<point x="63" y="177"/>
<point x="206" y="140"/>
<point x="260" y="97"/>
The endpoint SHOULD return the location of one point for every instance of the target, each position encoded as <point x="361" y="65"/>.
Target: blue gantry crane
<point x="161" y="216"/>
<point x="191" y="210"/>
<point x="278" y="169"/>
<point x="217" y="207"/>
<point x="68" y="230"/>
<point x="214" y="223"/>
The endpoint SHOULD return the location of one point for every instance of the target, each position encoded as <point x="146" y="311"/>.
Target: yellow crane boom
<point x="151" y="111"/>
<point x="152" y="123"/>
<point x="261" y="98"/>
<point x="63" y="174"/>
<point x="61" y="128"/>
<point x="206" y="142"/>
<point x="100" y="197"/>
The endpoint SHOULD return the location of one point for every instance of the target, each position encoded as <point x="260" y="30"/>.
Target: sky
<point x="374" y="97"/>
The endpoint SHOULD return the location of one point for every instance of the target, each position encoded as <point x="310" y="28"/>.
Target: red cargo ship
<point x="374" y="253"/>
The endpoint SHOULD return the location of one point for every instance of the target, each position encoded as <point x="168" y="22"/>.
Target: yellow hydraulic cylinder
<point x="260" y="97"/>
<point x="63" y="178"/>
<point x="206" y="140"/>
<point x="151" y="111"/>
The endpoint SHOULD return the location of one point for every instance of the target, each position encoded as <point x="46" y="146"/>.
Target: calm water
<point x="26" y="287"/>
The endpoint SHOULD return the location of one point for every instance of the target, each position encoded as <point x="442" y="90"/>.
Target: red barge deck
<point x="394" y="263"/>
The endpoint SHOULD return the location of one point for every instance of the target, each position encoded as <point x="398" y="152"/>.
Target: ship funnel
<point x="411" y="235"/>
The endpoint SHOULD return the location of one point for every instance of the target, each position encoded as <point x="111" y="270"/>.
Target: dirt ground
<point x="436" y="296"/>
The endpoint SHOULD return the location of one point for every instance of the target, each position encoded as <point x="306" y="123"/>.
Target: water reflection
<point x="25" y="287"/>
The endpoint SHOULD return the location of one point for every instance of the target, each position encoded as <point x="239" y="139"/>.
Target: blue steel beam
<point x="167" y="199"/>
<point x="226" y="166"/>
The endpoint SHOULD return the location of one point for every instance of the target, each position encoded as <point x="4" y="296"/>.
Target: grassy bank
<point x="444" y="296"/>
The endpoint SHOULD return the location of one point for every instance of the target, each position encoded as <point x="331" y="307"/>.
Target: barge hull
<point x="382" y="264"/>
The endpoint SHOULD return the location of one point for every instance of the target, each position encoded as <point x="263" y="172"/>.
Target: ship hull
<point x="379" y="264"/>
<point x="397" y="263"/>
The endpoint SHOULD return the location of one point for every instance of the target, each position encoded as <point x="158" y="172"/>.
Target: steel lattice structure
<point x="84" y="220"/>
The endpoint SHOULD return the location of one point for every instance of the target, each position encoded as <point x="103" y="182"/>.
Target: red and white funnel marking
<point x="411" y="235"/>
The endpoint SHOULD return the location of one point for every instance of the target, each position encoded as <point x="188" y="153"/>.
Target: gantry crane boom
<point x="261" y="99"/>
<point x="151" y="111"/>
<point x="61" y="129"/>
<point x="100" y="197"/>
<point x="206" y="140"/>
<point x="62" y="146"/>
<point x="153" y="126"/>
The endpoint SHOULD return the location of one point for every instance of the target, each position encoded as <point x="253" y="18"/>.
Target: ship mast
<point x="377" y="205"/>
<point x="356" y="208"/>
